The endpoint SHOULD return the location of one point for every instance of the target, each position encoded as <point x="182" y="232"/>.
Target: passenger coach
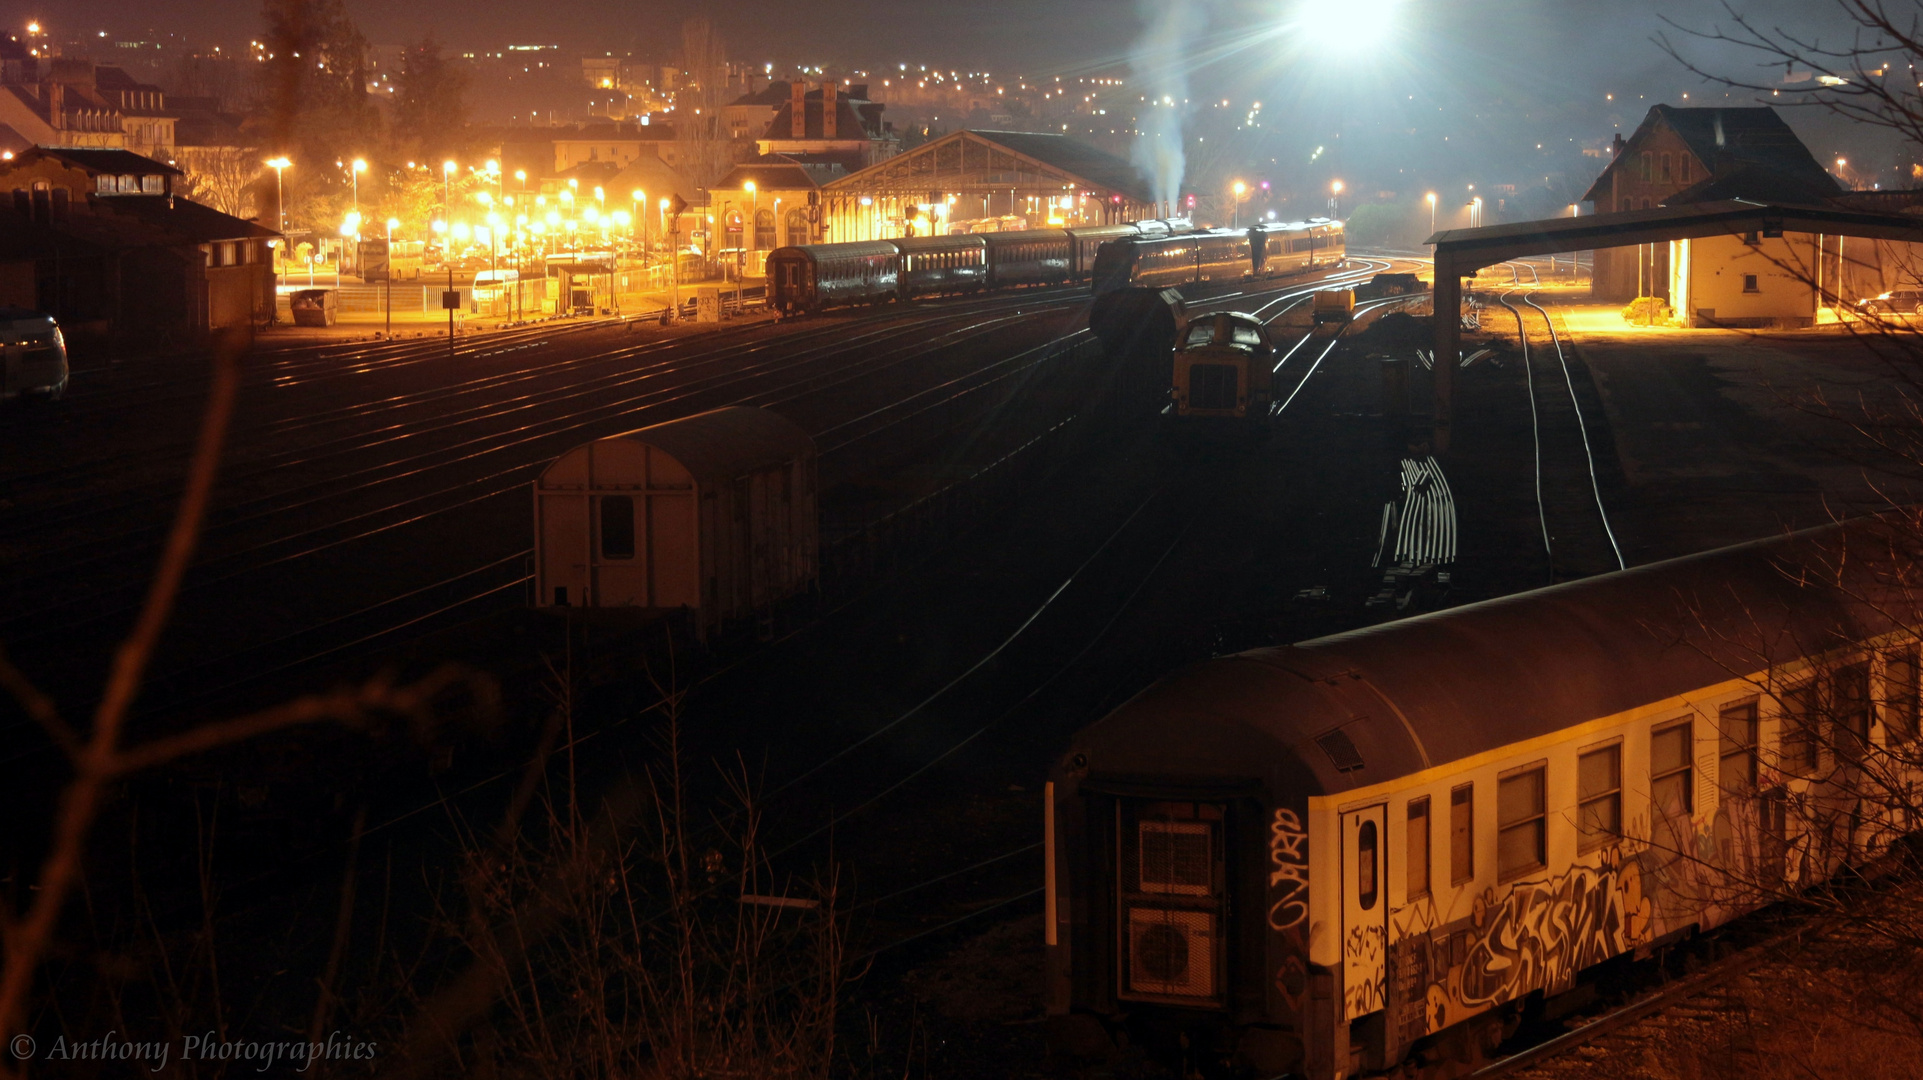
<point x="1378" y="847"/>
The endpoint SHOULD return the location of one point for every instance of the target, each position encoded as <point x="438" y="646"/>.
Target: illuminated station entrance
<point x="985" y="181"/>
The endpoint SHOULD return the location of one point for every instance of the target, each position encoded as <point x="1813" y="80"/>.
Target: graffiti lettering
<point x="1289" y="870"/>
<point x="1362" y="950"/>
<point x="1543" y="933"/>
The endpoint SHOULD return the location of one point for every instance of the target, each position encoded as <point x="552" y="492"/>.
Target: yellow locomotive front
<point x="1223" y="368"/>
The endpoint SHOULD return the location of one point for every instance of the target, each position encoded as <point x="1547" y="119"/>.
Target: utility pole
<point x="450" y="300"/>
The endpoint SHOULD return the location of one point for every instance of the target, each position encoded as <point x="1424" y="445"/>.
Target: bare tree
<point x="222" y="177"/>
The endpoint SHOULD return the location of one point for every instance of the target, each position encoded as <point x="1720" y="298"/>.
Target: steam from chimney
<point x="1159" y="62"/>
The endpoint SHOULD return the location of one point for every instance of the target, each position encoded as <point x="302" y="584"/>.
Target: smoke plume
<point x="1159" y="62"/>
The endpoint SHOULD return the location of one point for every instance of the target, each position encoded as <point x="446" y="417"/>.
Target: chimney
<point x="1616" y="148"/>
<point x="56" y="98"/>
<point x="830" y="105"/>
<point x="798" y="109"/>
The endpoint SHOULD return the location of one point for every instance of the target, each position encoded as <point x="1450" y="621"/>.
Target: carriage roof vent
<point x="1341" y="750"/>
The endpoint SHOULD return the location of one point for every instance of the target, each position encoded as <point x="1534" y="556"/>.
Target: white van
<point x="35" y="354"/>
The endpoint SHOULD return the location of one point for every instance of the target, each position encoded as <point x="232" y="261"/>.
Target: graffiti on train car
<point x="1362" y="950"/>
<point x="1288" y="870"/>
<point x="1544" y="932"/>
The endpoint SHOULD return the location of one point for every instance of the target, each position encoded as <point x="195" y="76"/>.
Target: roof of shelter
<point x="197" y="222"/>
<point x="1074" y="162"/>
<point x="1469" y="248"/>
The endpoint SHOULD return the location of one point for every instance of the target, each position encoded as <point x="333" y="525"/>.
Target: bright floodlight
<point x="1338" y="28"/>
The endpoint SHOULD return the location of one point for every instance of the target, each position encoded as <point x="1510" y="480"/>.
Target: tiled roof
<point x="1729" y="141"/>
<point x="116" y="162"/>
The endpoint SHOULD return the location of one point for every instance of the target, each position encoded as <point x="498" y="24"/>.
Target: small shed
<point x="714" y="514"/>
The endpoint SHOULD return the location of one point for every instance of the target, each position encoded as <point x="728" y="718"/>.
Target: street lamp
<point x="391" y="222"/>
<point x="1239" y="188"/>
<point x="1335" y="199"/>
<point x="280" y="203"/>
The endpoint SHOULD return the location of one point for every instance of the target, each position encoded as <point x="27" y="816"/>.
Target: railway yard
<point x="1015" y="539"/>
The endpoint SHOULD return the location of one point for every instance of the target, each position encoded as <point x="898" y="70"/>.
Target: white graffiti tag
<point x="1289" y="873"/>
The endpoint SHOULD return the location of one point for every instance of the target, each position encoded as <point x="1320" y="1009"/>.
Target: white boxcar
<point x="712" y="514"/>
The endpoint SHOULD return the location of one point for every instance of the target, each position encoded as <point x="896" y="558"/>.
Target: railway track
<point x="1702" y="994"/>
<point x="1578" y="538"/>
<point x="494" y="581"/>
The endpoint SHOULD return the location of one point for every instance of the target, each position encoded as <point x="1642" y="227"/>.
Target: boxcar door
<point x="1365" y="910"/>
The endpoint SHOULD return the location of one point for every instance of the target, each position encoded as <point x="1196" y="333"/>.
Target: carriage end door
<point x="1365" y="910"/>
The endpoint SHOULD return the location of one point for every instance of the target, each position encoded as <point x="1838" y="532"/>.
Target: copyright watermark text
<point x="157" y="1055"/>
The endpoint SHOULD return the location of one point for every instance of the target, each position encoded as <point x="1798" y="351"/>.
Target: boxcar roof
<point x="1024" y="236"/>
<point x="722" y="444"/>
<point x="853" y="249"/>
<point x="1444" y="686"/>
<point x="911" y="245"/>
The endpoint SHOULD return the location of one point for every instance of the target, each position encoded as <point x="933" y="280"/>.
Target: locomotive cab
<point x="1224" y="368"/>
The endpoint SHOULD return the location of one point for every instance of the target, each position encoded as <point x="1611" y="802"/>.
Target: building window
<point x="1520" y="823"/>
<point x="764" y="230"/>
<point x="617" y="526"/>
<point x="1852" y="726"/>
<point x="1736" y="767"/>
<point x="1671" y="786"/>
<point x="1899" y="698"/>
<point x="1799" y="729"/>
<point x="1462" y="834"/>
<point x="1682" y="168"/>
<point x="1416" y="843"/>
<point x="1666" y="172"/>
<point x="1644" y="170"/>
<point x="1749" y="284"/>
<point x="1599" y="797"/>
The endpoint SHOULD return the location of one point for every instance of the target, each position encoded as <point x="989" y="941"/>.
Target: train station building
<point x="984" y="181"/>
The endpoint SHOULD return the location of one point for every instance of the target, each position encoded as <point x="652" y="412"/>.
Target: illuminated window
<point x="1671" y="786"/>
<point x="1521" y="822"/>
<point x="1416" y="845"/>
<point x="1599" y="796"/>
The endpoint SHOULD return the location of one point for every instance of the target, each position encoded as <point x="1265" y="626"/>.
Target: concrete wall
<point x="1710" y="279"/>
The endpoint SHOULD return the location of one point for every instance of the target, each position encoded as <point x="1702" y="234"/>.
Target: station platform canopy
<point x="1010" y="177"/>
<point x="1459" y="253"/>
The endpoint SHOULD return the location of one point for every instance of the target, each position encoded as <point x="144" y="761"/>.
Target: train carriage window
<point x="1599" y="797"/>
<point x="617" y="526"/>
<point x="1736" y="754"/>
<point x="1900" y="697"/>
<point x="1672" y="785"/>
<point x="1852" y="722"/>
<point x="1462" y="834"/>
<point x="1798" y="738"/>
<point x="1416" y="845"/>
<point x="1521" y="822"/>
<point x="1366" y="883"/>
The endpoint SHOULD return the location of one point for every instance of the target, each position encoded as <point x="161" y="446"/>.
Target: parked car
<point x="35" y="354"/>
<point x="1905" y="301"/>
